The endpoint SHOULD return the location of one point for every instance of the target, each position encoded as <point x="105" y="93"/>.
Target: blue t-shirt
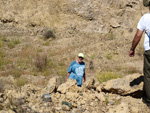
<point x="76" y="71"/>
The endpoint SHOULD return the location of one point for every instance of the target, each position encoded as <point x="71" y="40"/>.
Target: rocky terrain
<point x="121" y="95"/>
<point x="39" y="40"/>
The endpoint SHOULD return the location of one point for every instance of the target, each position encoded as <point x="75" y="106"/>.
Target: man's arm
<point x="68" y="74"/>
<point x="135" y="42"/>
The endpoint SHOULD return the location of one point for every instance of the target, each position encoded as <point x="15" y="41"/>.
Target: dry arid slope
<point x="102" y="29"/>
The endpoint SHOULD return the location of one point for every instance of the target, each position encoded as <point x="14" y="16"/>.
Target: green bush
<point x="49" y="34"/>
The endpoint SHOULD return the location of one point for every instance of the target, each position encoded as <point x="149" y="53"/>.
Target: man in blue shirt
<point x="77" y="70"/>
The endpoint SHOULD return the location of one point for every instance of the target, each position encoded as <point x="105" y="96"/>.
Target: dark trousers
<point x="146" y="87"/>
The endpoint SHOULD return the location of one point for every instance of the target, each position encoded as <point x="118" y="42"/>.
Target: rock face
<point x="129" y="85"/>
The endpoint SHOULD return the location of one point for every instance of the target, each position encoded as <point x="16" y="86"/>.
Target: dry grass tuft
<point x="41" y="61"/>
<point x="21" y="81"/>
<point x="1" y="87"/>
<point x="109" y="56"/>
<point x="105" y="76"/>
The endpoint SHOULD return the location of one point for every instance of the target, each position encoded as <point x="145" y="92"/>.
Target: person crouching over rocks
<point x="77" y="70"/>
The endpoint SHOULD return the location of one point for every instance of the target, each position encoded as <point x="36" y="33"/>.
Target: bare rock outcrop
<point x="69" y="86"/>
<point x="129" y="85"/>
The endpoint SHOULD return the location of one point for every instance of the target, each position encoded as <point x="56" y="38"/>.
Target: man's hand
<point x="131" y="53"/>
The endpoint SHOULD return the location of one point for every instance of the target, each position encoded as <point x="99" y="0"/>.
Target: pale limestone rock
<point x="72" y="96"/>
<point x="58" y="108"/>
<point x="96" y="84"/>
<point x="57" y="95"/>
<point x="89" y="96"/>
<point x="82" y="102"/>
<point x="99" y="88"/>
<point x="89" y="84"/>
<point x="65" y="108"/>
<point x="134" y="109"/>
<point x="100" y="96"/>
<point x="92" y="104"/>
<point x="114" y="23"/>
<point x="69" y="86"/>
<point x="51" y="86"/>
<point x="121" y="108"/>
<point x="62" y="97"/>
<point x="125" y="86"/>
<point x="9" y="111"/>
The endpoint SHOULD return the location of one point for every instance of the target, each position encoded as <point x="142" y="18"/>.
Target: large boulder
<point x="129" y="85"/>
<point x="69" y="86"/>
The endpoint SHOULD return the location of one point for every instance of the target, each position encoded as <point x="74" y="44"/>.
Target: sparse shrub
<point x="34" y="74"/>
<point x="22" y="63"/>
<point x="105" y="76"/>
<point x="62" y="72"/>
<point x="106" y="100"/>
<point x="131" y="30"/>
<point x="1" y="43"/>
<point x="1" y="87"/>
<point x="47" y="72"/>
<point x="109" y="56"/>
<point x="111" y="36"/>
<point x="21" y="81"/>
<point x="13" y="43"/>
<point x="93" y="57"/>
<point x="131" y="70"/>
<point x="3" y="60"/>
<point x="41" y="62"/>
<point x="46" y="43"/>
<point x="91" y="66"/>
<point x="49" y="34"/>
<point x="16" y="73"/>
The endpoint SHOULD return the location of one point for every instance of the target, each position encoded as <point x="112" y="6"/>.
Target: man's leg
<point x="146" y="87"/>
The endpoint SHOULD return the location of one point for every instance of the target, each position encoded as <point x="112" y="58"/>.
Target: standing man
<point x="144" y="25"/>
<point x="77" y="70"/>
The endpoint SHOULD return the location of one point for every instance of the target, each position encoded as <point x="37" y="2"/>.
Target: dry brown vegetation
<point x="52" y="37"/>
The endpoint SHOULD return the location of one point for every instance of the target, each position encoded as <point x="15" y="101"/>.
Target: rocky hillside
<point x="39" y="39"/>
<point x="103" y="30"/>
